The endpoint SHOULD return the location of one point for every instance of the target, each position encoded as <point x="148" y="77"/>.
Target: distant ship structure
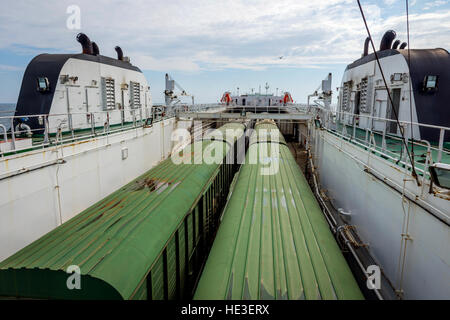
<point x="256" y="99"/>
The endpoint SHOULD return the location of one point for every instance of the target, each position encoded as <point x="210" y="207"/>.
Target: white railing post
<point x="441" y="144"/>
<point x="92" y="124"/>
<point x="13" y="135"/>
<point x="344" y="129"/>
<point x="405" y="147"/>
<point x="71" y="125"/>
<point x="354" y="127"/>
<point x="5" y="136"/>
<point x="46" y="130"/>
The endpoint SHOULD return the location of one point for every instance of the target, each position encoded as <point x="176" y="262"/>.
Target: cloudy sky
<point x="211" y="46"/>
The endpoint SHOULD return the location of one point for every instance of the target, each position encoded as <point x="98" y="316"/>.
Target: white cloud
<point x="434" y="4"/>
<point x="146" y="62"/>
<point x="4" y="67"/>
<point x="200" y="35"/>
<point x="389" y="2"/>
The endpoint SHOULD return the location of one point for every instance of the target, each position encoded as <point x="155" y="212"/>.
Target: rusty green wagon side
<point x="147" y="240"/>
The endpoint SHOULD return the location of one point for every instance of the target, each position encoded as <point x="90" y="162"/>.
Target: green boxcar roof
<point x="274" y="242"/>
<point x="235" y="129"/>
<point x="266" y="132"/>
<point x="115" y="241"/>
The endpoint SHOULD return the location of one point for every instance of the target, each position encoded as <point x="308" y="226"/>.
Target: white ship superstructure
<point x="418" y="92"/>
<point x="257" y="99"/>
<point x="389" y="179"/>
<point x="70" y="91"/>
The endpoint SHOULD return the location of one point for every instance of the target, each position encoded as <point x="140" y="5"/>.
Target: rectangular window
<point x="397" y="77"/>
<point x="430" y="82"/>
<point x="109" y="93"/>
<point x="135" y="95"/>
<point x="43" y="84"/>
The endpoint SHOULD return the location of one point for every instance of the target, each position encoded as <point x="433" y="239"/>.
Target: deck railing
<point x="379" y="141"/>
<point x="56" y="129"/>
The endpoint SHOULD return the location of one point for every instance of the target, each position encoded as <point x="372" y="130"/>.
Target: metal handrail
<point x="405" y="124"/>
<point x="388" y="154"/>
<point x="381" y="119"/>
<point x="106" y="126"/>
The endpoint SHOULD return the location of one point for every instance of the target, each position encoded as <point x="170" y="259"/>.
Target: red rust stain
<point x="152" y="184"/>
<point x="111" y="204"/>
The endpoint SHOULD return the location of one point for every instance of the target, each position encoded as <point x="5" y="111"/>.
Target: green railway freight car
<point x="273" y="241"/>
<point x="147" y="240"/>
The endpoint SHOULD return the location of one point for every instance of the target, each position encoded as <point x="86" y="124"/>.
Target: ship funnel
<point x="386" y="41"/>
<point x="119" y="53"/>
<point x="366" y="47"/>
<point x="95" y="49"/>
<point x="396" y="44"/>
<point x="86" y="44"/>
<point x="403" y="46"/>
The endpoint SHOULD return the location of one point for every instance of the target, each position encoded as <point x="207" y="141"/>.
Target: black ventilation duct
<point x="396" y="44"/>
<point x="386" y="41"/>
<point x="95" y="49"/>
<point x="119" y="53"/>
<point x="86" y="44"/>
<point x="366" y="47"/>
<point x="403" y="46"/>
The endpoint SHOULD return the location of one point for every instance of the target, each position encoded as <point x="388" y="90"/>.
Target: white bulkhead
<point x="81" y="91"/>
<point x="94" y="93"/>
<point x="363" y="93"/>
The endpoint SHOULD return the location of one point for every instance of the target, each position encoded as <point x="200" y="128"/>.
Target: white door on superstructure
<point x="379" y="109"/>
<point x="74" y="100"/>
<point x="75" y="107"/>
<point x="93" y="99"/>
<point x="93" y="106"/>
<point x="127" y="114"/>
